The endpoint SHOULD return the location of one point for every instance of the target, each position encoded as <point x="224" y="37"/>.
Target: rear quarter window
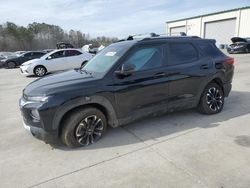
<point x="182" y="53"/>
<point x="209" y="49"/>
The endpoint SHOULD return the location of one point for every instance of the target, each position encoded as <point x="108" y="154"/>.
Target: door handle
<point x="205" y="66"/>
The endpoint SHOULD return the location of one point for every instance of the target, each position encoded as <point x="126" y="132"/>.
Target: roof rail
<point x="146" y="36"/>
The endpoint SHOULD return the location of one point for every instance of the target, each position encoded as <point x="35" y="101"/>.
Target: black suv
<point x="126" y="81"/>
<point x="17" y="61"/>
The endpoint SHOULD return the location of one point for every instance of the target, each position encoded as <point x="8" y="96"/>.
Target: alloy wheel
<point x="89" y="130"/>
<point x="214" y="99"/>
<point x="40" y="71"/>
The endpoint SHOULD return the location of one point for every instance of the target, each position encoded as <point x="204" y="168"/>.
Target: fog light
<point x="35" y="115"/>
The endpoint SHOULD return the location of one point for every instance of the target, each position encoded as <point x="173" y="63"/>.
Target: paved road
<point x="184" y="149"/>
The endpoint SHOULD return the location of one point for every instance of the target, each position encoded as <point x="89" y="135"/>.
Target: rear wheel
<point x="11" y="65"/>
<point x="212" y="99"/>
<point x="83" y="127"/>
<point x="40" y="71"/>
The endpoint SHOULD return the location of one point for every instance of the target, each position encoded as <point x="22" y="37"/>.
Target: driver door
<point x="146" y="89"/>
<point x="56" y="61"/>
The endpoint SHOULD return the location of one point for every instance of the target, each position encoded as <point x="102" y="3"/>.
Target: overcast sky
<point x="110" y="17"/>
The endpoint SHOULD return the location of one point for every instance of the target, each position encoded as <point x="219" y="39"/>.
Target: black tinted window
<point x="38" y="54"/>
<point x="28" y="54"/>
<point x="180" y="53"/>
<point x="145" y="58"/>
<point x="57" y="54"/>
<point x="210" y="49"/>
<point x="72" y="52"/>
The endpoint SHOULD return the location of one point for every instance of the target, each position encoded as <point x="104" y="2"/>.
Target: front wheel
<point x="40" y="71"/>
<point x="212" y="99"/>
<point x="83" y="127"/>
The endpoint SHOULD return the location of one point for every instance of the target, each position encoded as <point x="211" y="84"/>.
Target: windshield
<point x="105" y="59"/>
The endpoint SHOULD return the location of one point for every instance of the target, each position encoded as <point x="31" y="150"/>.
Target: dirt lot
<point x="184" y="149"/>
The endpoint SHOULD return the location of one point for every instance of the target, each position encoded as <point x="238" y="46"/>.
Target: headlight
<point x="38" y="99"/>
<point x="239" y="46"/>
<point x="3" y="60"/>
<point x="27" y="64"/>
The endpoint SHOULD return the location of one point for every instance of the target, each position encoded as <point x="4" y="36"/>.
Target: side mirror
<point x="49" y="58"/>
<point x="126" y="70"/>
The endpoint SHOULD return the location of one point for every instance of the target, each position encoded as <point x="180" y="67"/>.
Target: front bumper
<point x="40" y="134"/>
<point x="34" y="127"/>
<point x="25" y="71"/>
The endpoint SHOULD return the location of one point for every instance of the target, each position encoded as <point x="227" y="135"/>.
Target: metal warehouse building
<point x="221" y="26"/>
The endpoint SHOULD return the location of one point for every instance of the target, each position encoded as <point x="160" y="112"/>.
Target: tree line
<point x="38" y="36"/>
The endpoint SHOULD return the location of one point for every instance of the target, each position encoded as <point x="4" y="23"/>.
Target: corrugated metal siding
<point x="222" y="30"/>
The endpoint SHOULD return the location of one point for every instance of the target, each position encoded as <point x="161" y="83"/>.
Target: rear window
<point x="182" y="53"/>
<point x="210" y="49"/>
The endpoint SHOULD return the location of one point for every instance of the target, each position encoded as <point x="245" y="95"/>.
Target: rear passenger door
<point x="73" y="59"/>
<point x="187" y="71"/>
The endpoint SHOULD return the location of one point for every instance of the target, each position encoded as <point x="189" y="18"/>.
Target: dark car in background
<point x="19" y="60"/>
<point x="240" y="45"/>
<point x="63" y="45"/>
<point x="126" y="81"/>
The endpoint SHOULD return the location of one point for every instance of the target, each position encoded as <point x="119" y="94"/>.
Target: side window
<point x="38" y="54"/>
<point x="28" y="54"/>
<point x="181" y="53"/>
<point x="146" y="58"/>
<point x="72" y="53"/>
<point x="57" y="54"/>
<point x="210" y="49"/>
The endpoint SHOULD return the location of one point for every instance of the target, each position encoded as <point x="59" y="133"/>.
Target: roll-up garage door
<point x="176" y="30"/>
<point x="222" y="31"/>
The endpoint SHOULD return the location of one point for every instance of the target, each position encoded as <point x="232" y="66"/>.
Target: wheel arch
<point x="97" y="102"/>
<point x="216" y="80"/>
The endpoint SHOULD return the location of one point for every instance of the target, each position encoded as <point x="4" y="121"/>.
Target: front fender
<point x="81" y="101"/>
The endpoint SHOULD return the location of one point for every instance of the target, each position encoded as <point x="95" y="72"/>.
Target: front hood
<point x="58" y="83"/>
<point x="11" y="58"/>
<point x="30" y="61"/>
<point x="238" y="39"/>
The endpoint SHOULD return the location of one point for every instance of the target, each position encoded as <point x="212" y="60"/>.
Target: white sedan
<point x="56" y="60"/>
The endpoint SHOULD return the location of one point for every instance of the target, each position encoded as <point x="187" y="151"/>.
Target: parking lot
<point x="183" y="149"/>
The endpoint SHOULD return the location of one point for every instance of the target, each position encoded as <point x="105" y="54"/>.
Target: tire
<point x="11" y="65"/>
<point x="212" y="99"/>
<point x="40" y="71"/>
<point x="83" y="127"/>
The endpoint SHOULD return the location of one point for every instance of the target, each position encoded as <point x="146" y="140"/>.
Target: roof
<point x="210" y="14"/>
<point x="157" y="38"/>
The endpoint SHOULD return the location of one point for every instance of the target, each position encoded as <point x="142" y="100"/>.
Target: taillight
<point x="229" y="61"/>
